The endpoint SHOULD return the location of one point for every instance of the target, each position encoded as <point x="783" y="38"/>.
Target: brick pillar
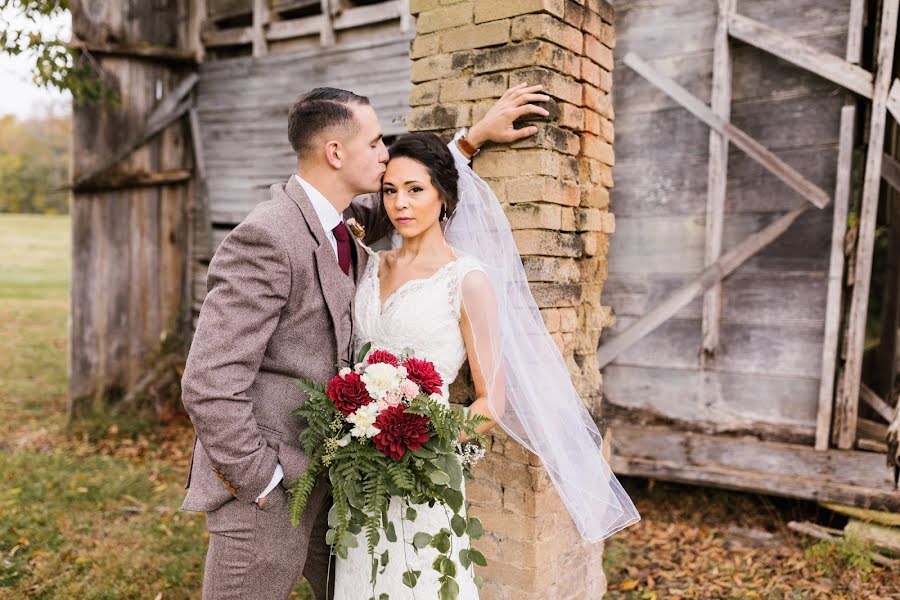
<point x="555" y="189"/>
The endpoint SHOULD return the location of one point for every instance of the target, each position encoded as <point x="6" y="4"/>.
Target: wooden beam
<point x="834" y="294"/>
<point x="121" y="181"/>
<point x="261" y="18"/>
<point x="407" y="22"/>
<point x="717" y="179"/>
<point x="236" y="36"/>
<point x="361" y="16"/>
<point x="138" y="51"/>
<point x="835" y="275"/>
<point x="711" y="275"/>
<point x="294" y="28"/>
<point x="847" y="402"/>
<point x="893" y="102"/>
<point x="834" y="69"/>
<point x="327" y="37"/>
<point x="739" y="138"/>
<point x="877" y="404"/>
<point x="199" y="13"/>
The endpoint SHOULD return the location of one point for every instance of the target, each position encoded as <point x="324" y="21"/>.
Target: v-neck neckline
<point x="382" y="305"/>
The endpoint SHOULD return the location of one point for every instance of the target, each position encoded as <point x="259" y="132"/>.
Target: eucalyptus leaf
<point x="448" y="567"/>
<point x="390" y="533"/>
<point x="441" y="543"/>
<point x="479" y="581"/>
<point x="458" y="525"/>
<point x="474" y="528"/>
<point x="421" y="540"/>
<point x="464" y="558"/>
<point x="333" y="517"/>
<point x="449" y="590"/>
<point x="329" y="537"/>
<point x="411" y="513"/>
<point x="410" y="578"/>
<point x="453" y="498"/>
<point x="439" y="477"/>
<point x="384" y="558"/>
<point x="477" y="557"/>
<point x="349" y="540"/>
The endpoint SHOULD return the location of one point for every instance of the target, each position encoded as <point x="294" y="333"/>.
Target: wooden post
<point x="838" y="231"/>
<point x="717" y="181"/>
<point x="128" y="244"/>
<point x="260" y="20"/>
<point x="847" y="404"/>
<point x="327" y="37"/>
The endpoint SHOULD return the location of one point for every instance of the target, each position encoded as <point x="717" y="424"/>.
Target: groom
<point x="279" y="305"/>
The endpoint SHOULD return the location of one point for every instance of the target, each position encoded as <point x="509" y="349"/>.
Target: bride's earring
<point x="443" y="212"/>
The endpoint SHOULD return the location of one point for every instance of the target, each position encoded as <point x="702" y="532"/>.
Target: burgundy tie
<point x="343" y="247"/>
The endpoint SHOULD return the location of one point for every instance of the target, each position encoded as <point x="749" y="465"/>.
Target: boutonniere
<point x="359" y="232"/>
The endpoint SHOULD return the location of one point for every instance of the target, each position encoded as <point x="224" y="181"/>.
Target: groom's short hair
<point x="317" y="111"/>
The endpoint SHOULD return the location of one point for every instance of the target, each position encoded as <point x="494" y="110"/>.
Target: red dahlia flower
<point x="382" y="356"/>
<point x="424" y="374"/>
<point x="348" y="393"/>
<point x="400" y="432"/>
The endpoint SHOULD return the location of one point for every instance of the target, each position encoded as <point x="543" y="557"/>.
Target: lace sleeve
<point x="464" y="266"/>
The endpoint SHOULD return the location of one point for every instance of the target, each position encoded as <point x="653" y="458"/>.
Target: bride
<point x="451" y="290"/>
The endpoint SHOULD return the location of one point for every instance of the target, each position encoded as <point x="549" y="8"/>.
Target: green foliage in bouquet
<point x="363" y="480"/>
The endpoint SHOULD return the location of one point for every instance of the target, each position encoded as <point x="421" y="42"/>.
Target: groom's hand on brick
<point x="497" y="124"/>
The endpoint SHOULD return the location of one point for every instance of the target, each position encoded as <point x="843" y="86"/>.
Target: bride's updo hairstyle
<point x="428" y="150"/>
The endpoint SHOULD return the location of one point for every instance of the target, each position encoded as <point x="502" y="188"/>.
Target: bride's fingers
<point x="526" y="98"/>
<point x="529" y="109"/>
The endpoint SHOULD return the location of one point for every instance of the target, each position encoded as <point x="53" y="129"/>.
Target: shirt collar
<point x="325" y="210"/>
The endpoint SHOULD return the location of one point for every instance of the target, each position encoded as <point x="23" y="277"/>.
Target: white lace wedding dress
<point x="421" y="315"/>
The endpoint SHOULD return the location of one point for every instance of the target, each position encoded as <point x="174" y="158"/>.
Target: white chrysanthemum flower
<point x="363" y="421"/>
<point x="403" y="372"/>
<point x="344" y="372"/>
<point x="381" y="378"/>
<point x="343" y="441"/>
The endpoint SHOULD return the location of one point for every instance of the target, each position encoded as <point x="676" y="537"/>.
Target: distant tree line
<point x="34" y="164"/>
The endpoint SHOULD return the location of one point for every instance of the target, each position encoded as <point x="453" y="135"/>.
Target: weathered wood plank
<point x="856" y="478"/>
<point x="847" y="404"/>
<point x="877" y="404"/>
<point x="745" y="142"/>
<point x="835" y="273"/>
<point x="832" y="68"/>
<point x="139" y="51"/>
<point x="712" y="401"/>
<point x="779" y="350"/>
<point x="717" y="180"/>
<point x="893" y="101"/>
<point x="711" y="274"/>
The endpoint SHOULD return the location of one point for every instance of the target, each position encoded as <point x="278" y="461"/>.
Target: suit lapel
<point x="337" y="288"/>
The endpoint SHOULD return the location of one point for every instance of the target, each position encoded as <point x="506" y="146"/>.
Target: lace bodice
<point x="422" y="315"/>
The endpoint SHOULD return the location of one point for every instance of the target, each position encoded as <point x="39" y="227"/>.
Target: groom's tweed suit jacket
<point x="278" y="307"/>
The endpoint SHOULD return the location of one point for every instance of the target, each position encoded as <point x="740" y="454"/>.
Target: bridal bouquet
<point x="379" y="428"/>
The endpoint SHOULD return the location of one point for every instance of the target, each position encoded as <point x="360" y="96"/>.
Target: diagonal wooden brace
<point x="816" y="195"/>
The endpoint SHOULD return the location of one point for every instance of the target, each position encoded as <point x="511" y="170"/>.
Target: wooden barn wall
<point x="243" y="105"/>
<point x="765" y="375"/>
<point x="129" y="245"/>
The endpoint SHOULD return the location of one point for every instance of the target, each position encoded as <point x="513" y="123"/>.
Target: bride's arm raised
<point x="481" y="333"/>
<point x="496" y="126"/>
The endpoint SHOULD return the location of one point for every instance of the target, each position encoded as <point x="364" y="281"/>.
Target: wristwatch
<point x="465" y="145"/>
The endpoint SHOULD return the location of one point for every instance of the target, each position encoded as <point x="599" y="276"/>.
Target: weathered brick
<point x="541" y="189"/>
<point x="594" y="147"/>
<point x="594" y="243"/>
<point x="417" y="6"/>
<point x="590" y="71"/>
<point x="444" y="17"/>
<point x="431" y="67"/>
<point x="606" y="80"/>
<point x="607" y="222"/>
<point x="493" y="10"/>
<point x="491" y="85"/>
<point x="567" y="219"/>
<point x="607" y="35"/>
<point x="475" y="36"/>
<point x="424" y="93"/>
<point x="571" y="116"/>
<point x="549" y="269"/>
<point x="604" y="8"/>
<point x="592" y="24"/>
<point x="574" y="14"/>
<point x="553" y="138"/>
<point x="551" y="319"/>
<point x="520" y="162"/>
<point x="534" y="216"/>
<point x="596" y="100"/>
<point x="429" y="118"/>
<point x="555" y="83"/>
<point x="568" y="318"/>
<point x="534" y="53"/>
<point x="424" y="45"/>
<point x="546" y="27"/>
<point x="595" y="197"/>
<point x="598" y="52"/>
<point x="543" y="242"/>
<point x="555" y="294"/>
<point x="592" y="122"/>
<point x="607" y="130"/>
<point x="589" y="219"/>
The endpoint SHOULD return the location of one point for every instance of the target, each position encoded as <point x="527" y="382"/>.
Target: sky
<point x="18" y="95"/>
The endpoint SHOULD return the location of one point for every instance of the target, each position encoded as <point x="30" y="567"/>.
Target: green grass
<point x="84" y="513"/>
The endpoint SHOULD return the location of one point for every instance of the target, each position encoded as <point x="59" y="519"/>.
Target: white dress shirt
<point x="330" y="218"/>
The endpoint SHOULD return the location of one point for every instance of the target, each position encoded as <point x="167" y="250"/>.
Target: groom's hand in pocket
<point x="515" y="103"/>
